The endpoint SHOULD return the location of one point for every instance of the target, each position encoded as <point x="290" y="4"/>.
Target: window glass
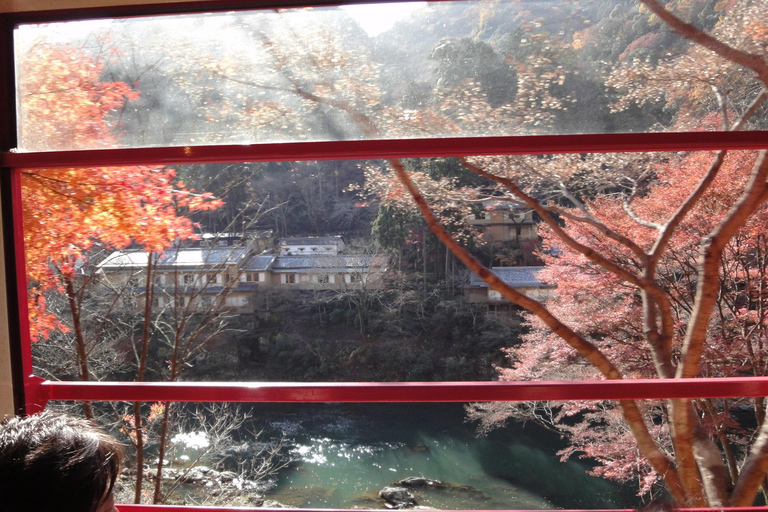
<point x="406" y="309"/>
<point x="92" y="235"/>
<point x="439" y="69"/>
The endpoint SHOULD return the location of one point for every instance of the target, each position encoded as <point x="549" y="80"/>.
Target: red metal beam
<point x="20" y="268"/>
<point x="401" y="391"/>
<point x="396" y="148"/>
<point x="176" y="508"/>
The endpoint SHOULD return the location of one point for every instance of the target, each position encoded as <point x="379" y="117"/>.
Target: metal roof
<point x="237" y="235"/>
<point x="496" y="204"/>
<point x="516" y="277"/>
<point x="338" y="263"/>
<point x="311" y="240"/>
<point x="256" y="263"/>
<point x="188" y="257"/>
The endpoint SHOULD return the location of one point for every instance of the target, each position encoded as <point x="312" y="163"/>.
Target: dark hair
<point x="56" y="463"/>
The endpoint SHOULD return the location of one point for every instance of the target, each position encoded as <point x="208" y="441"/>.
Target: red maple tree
<point x="601" y="307"/>
<point x="69" y="211"/>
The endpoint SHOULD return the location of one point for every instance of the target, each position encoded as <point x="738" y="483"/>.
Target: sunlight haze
<point x="377" y="18"/>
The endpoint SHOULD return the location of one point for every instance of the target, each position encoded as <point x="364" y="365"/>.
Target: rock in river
<point x="419" y="481"/>
<point x="398" y="497"/>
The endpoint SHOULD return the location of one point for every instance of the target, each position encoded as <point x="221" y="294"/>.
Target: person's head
<point x="57" y="463"/>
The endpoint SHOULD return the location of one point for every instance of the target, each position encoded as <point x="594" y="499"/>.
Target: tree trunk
<point x="148" y="292"/>
<point x="424" y="257"/>
<point x="139" y="451"/>
<point x="752" y="472"/>
<point x="659" y="461"/>
<point x="157" y="498"/>
<point x="77" y="328"/>
<point x="447" y="259"/>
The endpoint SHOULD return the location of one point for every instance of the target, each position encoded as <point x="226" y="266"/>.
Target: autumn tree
<point x="196" y="317"/>
<point x="68" y="212"/>
<point x="608" y="312"/>
<point x="675" y="341"/>
<point x="678" y="303"/>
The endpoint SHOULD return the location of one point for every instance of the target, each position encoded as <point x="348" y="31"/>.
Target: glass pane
<point x="327" y="271"/>
<point x="255" y="272"/>
<point x="401" y="70"/>
<point x="344" y="456"/>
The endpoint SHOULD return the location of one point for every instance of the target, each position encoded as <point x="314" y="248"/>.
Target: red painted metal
<point x="176" y="508"/>
<point x="7" y="204"/>
<point x="21" y="288"/>
<point x="396" y="148"/>
<point x="401" y="391"/>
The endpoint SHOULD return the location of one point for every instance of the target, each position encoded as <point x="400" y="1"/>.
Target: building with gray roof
<point x="236" y="277"/>
<point x="523" y="279"/>
<point x="311" y="245"/>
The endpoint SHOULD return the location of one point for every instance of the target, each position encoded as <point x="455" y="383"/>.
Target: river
<point x="345" y="454"/>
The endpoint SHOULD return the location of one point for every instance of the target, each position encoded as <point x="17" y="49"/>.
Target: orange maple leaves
<point x="64" y="104"/>
<point x="66" y="211"/>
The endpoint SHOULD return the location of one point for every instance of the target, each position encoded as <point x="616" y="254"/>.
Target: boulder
<point x="398" y="497"/>
<point x="170" y="474"/>
<point x="227" y="476"/>
<point x="419" y="481"/>
<point x="203" y="469"/>
<point x="193" y="476"/>
<point x="274" y="504"/>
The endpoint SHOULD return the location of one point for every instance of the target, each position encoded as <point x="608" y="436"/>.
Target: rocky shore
<point x="209" y="486"/>
<point x="206" y="484"/>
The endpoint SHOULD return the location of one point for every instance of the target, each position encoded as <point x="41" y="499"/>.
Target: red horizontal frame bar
<point x="176" y="508"/>
<point x="401" y="391"/>
<point x="395" y="148"/>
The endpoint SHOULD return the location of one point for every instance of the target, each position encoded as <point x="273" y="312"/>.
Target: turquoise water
<point x="345" y="454"/>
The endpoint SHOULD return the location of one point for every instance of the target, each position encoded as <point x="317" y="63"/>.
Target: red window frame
<point x="31" y="393"/>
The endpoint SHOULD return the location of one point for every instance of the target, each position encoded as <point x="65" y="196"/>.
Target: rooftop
<point x="311" y="240"/>
<point x="189" y="257"/>
<point x="516" y="277"/>
<point x="259" y="263"/>
<point x="339" y="263"/>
